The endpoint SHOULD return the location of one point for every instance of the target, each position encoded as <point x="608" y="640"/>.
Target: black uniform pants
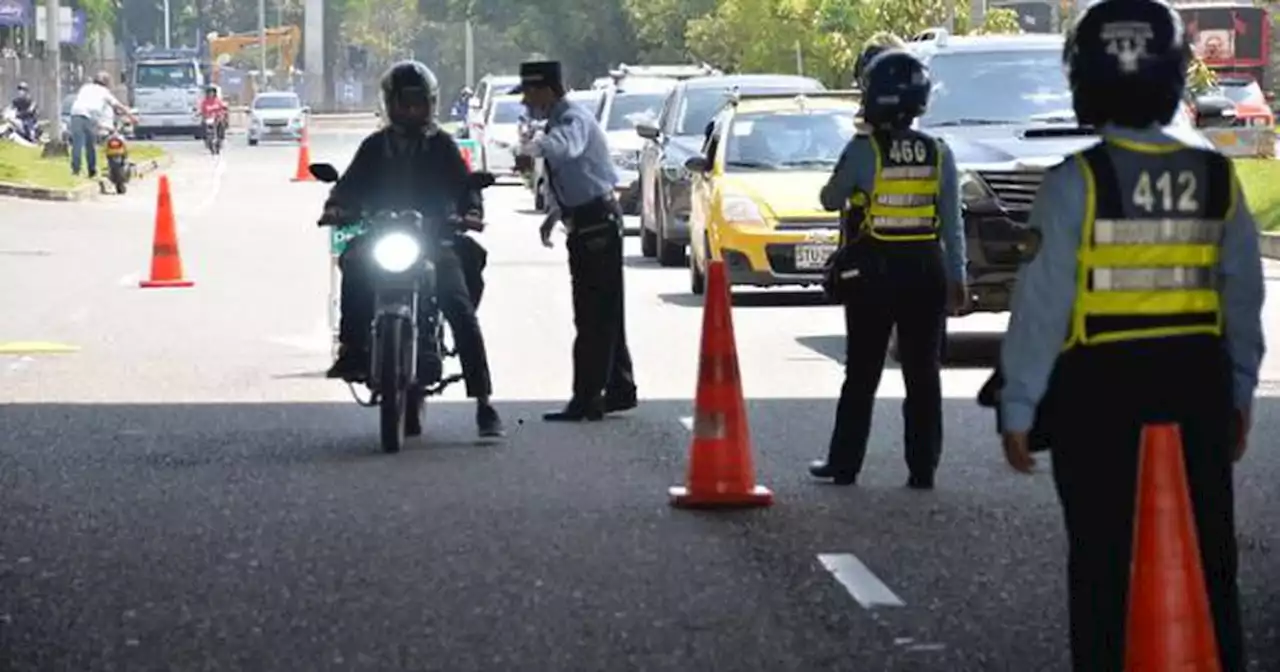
<point x="456" y="300"/>
<point x="1105" y="394"/>
<point x="601" y="359"/>
<point x="906" y="290"/>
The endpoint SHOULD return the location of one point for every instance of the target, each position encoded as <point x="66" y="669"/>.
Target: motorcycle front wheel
<point x="391" y="410"/>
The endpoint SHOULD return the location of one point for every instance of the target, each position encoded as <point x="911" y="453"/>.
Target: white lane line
<point x="687" y="422"/>
<point x="20" y="363"/>
<point x="868" y="590"/>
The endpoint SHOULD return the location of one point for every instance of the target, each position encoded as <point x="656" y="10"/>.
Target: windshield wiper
<point x="748" y="164"/>
<point x="972" y="121"/>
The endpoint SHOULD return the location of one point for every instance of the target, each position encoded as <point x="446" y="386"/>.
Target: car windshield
<point x="591" y="100"/>
<point x="506" y="111"/>
<point x="699" y="106"/>
<point x="277" y="103"/>
<point x="792" y="140"/>
<point x="165" y="75"/>
<point x="1242" y="92"/>
<point x="630" y="109"/>
<point x="994" y="87"/>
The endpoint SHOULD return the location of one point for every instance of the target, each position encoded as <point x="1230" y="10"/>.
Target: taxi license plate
<point x="812" y="257"/>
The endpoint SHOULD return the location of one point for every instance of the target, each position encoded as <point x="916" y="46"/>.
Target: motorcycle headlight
<point x="396" y="251"/>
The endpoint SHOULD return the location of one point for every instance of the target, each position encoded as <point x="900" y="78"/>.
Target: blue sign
<point x="15" y="12"/>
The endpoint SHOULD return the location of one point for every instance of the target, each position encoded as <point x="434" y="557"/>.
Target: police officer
<point x="581" y="177"/>
<point x="1144" y="304"/>
<point x="899" y="195"/>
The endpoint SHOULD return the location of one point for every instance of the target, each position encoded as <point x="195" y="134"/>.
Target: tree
<point x="386" y="28"/>
<point x="1000" y="21"/>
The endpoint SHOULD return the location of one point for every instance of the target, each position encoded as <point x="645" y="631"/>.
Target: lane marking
<point x="20" y="364"/>
<point x="863" y="585"/>
<point x="36" y="348"/>
<point x="687" y="422"/>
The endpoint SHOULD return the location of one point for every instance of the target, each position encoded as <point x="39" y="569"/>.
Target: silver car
<point x="500" y="135"/>
<point x="277" y="115"/>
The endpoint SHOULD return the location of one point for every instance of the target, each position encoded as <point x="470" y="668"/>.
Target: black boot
<point x="352" y="364"/>
<point x="838" y="475"/>
<point x="487" y="421"/>
<point x="616" y="402"/>
<point x="577" y="411"/>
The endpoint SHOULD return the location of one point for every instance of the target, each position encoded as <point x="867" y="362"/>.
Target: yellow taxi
<point x="754" y="202"/>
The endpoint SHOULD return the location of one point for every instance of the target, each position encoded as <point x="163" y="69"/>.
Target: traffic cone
<point x="721" y="473"/>
<point x="303" y="173"/>
<point x="166" y="260"/>
<point x="1169" y="626"/>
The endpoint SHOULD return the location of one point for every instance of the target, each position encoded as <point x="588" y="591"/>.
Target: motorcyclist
<point x="461" y="104"/>
<point x="212" y="105"/>
<point x="25" y="107"/>
<point x="412" y="164"/>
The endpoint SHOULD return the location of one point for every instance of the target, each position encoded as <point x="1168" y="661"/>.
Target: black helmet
<point x="211" y="89"/>
<point x="410" y="92"/>
<point x="1127" y="62"/>
<point x="895" y="90"/>
<point x="864" y="59"/>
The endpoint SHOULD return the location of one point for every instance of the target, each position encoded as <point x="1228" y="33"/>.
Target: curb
<point x="1270" y="244"/>
<point x="82" y="193"/>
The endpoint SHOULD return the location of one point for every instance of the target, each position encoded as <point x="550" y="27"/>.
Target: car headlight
<point x="626" y="160"/>
<point x="675" y="173"/>
<point x="396" y="251"/>
<point x="740" y="209"/>
<point x="973" y="189"/>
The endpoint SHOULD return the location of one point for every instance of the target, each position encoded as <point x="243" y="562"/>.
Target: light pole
<point x="168" y="26"/>
<point x="262" y="36"/>
<point x="53" y="50"/>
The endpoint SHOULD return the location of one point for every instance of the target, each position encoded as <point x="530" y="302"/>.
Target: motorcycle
<point x="116" y="149"/>
<point x="212" y="138"/>
<point x="404" y="367"/>
<point x="13" y="126"/>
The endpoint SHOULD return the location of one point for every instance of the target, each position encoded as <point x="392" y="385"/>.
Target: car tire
<point x="669" y="254"/>
<point x="697" y="278"/>
<point x="253" y="143"/>
<point x="648" y="243"/>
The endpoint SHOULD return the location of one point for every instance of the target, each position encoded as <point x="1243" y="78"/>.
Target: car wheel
<point x="669" y="254"/>
<point x="697" y="281"/>
<point x="648" y="243"/>
<point x="253" y="143"/>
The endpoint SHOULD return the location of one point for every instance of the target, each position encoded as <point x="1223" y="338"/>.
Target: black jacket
<point x="424" y="173"/>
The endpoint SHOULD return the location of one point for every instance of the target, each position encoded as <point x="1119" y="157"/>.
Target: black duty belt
<point x="596" y="214"/>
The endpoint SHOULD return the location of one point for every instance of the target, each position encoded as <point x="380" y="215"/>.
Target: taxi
<point x="754" y="201"/>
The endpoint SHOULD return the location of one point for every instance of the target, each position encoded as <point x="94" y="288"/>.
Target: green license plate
<point x="339" y="236"/>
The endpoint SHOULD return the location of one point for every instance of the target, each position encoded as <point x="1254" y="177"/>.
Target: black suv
<point x="678" y="135"/>
<point x="1003" y="106"/>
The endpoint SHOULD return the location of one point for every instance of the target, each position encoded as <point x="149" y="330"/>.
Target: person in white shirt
<point x="94" y="104"/>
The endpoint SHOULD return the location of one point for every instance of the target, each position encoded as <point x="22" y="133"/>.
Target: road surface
<point x="181" y="490"/>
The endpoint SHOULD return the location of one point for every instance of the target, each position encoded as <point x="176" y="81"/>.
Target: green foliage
<point x="999" y="21"/>
<point x="1200" y="77"/>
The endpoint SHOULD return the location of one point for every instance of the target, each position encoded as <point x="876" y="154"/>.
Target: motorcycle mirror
<point x="481" y="179"/>
<point x="324" y="172"/>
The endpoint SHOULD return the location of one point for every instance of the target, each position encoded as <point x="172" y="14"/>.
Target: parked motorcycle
<point x="408" y="352"/>
<point x="212" y="138"/>
<point x="116" y="149"/>
<point x="14" y="127"/>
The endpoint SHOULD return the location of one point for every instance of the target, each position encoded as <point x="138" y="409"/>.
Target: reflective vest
<point x="904" y="201"/>
<point x="1149" y="250"/>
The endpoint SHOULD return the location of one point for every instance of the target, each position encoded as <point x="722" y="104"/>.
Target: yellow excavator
<point x="286" y="39"/>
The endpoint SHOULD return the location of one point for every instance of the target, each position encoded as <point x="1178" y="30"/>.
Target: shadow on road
<point x="753" y="298"/>
<point x="965" y="350"/>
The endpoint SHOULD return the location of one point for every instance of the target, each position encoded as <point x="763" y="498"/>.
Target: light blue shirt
<point x="1045" y="293"/>
<point x="576" y="156"/>
<point x="857" y="171"/>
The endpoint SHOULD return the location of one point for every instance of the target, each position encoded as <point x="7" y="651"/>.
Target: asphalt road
<point x="183" y="491"/>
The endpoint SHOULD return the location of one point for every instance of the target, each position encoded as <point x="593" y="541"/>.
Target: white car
<point x="630" y="102"/>
<point x="501" y="135"/>
<point x="277" y="115"/>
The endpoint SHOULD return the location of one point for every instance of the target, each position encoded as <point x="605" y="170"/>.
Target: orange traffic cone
<point x="1169" y="627"/>
<point x="303" y="173"/>
<point x="721" y="473"/>
<point x="166" y="260"/>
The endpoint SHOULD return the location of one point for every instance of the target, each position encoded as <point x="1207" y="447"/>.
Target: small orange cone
<point x="1169" y="626"/>
<point x="166" y="260"/>
<point x="721" y="473"/>
<point x="303" y="173"/>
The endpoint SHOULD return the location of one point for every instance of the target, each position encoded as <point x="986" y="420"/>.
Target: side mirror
<point x="697" y="164"/>
<point x="647" y="131"/>
<point x="324" y="172"/>
<point x="481" y="179"/>
<point x="306" y="109"/>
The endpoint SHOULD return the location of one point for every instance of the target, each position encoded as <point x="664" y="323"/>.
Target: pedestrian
<point x="1144" y="302"/>
<point x="581" y="179"/>
<point x="897" y="190"/>
<point x="92" y="106"/>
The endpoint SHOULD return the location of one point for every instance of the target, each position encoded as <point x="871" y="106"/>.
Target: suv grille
<point x="1016" y="190"/>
